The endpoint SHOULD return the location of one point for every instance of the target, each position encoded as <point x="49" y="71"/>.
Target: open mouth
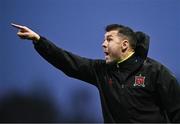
<point x="106" y="53"/>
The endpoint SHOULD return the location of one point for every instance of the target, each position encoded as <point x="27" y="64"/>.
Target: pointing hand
<point x="26" y="33"/>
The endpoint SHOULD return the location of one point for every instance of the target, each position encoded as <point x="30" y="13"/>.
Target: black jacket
<point x="136" y="90"/>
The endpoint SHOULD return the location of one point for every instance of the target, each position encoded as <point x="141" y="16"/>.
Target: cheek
<point x="114" y="49"/>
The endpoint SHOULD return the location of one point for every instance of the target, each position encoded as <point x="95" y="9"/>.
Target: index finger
<point x="17" y="26"/>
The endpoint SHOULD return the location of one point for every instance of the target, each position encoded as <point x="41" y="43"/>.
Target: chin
<point x="108" y="61"/>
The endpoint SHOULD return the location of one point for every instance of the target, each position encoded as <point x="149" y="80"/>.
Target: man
<point x="132" y="86"/>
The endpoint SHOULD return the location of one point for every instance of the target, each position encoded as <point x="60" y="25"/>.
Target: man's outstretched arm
<point x="71" y="64"/>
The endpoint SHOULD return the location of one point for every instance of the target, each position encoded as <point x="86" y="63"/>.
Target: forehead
<point x="111" y="33"/>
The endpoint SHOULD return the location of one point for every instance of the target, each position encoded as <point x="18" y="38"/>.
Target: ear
<point x="125" y="45"/>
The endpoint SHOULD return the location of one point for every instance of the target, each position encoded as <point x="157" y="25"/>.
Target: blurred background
<point x="32" y="90"/>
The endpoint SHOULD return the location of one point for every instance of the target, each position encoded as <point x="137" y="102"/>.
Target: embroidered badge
<point x="139" y="81"/>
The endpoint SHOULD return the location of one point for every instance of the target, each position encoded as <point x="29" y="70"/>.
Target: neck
<point x="126" y="56"/>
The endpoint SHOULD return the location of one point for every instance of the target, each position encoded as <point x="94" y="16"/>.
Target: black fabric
<point x="136" y="90"/>
<point x="142" y="45"/>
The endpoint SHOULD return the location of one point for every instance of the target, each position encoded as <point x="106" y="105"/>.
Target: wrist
<point x="36" y="38"/>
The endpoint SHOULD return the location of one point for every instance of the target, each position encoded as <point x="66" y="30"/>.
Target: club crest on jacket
<point x="139" y="81"/>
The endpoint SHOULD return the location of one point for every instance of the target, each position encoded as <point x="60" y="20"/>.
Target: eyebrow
<point x="108" y="36"/>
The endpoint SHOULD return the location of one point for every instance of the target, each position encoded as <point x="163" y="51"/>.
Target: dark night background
<point x="31" y="90"/>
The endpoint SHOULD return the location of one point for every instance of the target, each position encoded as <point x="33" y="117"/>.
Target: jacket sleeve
<point x="71" y="64"/>
<point x="169" y="91"/>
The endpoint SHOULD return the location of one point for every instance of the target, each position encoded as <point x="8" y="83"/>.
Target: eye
<point x="109" y="39"/>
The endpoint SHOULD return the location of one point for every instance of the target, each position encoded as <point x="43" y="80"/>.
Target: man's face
<point x="112" y="46"/>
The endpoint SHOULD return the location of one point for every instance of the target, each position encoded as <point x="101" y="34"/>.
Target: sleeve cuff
<point x="40" y="40"/>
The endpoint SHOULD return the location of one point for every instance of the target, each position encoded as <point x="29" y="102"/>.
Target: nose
<point x="104" y="44"/>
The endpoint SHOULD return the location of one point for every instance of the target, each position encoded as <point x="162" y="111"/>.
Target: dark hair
<point x="139" y="41"/>
<point x="126" y="31"/>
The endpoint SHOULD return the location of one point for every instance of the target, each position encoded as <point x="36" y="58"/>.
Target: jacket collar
<point x="131" y="64"/>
